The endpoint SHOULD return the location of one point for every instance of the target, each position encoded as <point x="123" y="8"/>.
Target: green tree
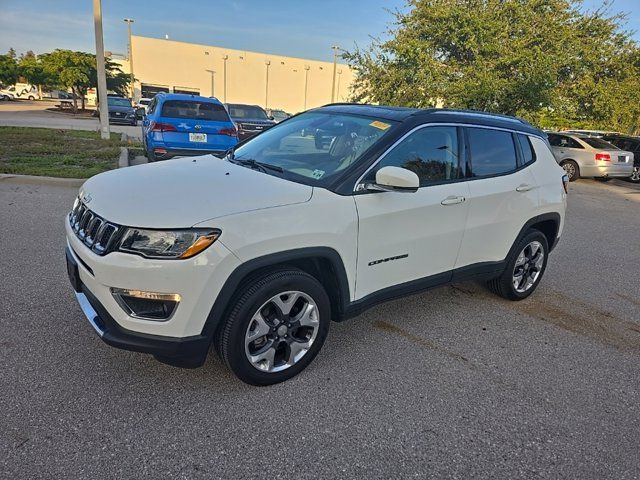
<point x="32" y="70"/>
<point x="77" y="71"/>
<point x="8" y="69"/>
<point x="541" y="59"/>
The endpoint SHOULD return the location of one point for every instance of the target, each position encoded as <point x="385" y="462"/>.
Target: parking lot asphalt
<point x="450" y="383"/>
<point x="24" y="113"/>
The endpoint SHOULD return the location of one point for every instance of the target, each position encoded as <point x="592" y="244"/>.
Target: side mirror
<point x="395" y="179"/>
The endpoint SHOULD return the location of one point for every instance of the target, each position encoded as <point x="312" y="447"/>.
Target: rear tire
<point x="635" y="176"/>
<point x="151" y="156"/>
<point x="572" y="169"/>
<point x="525" y="268"/>
<point x="277" y="325"/>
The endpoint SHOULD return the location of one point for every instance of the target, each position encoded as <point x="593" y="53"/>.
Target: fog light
<point x="146" y="305"/>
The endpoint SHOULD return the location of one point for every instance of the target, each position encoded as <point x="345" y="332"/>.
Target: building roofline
<point x="243" y="51"/>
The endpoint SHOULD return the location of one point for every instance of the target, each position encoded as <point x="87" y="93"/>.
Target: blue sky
<point x="289" y="27"/>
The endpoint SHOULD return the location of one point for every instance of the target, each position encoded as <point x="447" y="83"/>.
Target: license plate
<point x="622" y="158"/>
<point x="198" y="137"/>
<point x="72" y="272"/>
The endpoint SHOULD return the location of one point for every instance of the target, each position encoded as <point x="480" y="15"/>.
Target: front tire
<point x="277" y="325"/>
<point x="524" y="269"/>
<point x="572" y="169"/>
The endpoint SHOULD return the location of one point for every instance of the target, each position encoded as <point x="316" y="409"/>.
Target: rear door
<point x="199" y="125"/>
<point x="503" y="196"/>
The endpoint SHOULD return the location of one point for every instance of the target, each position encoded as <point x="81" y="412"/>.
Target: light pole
<point x="338" y="88"/>
<point x="102" y="75"/>
<point x="306" y="84"/>
<point x="335" y="49"/>
<point x="213" y="82"/>
<point x="266" y="88"/>
<point x="224" y="78"/>
<point x="129" y="21"/>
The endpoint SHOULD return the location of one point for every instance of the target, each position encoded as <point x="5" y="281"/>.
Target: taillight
<point x="162" y="127"/>
<point x="228" y="131"/>
<point x="603" y="157"/>
<point x="565" y="183"/>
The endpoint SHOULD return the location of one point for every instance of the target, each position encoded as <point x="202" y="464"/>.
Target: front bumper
<point x="187" y="352"/>
<point x="197" y="280"/>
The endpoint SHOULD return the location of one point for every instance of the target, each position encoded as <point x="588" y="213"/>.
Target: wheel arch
<point x="323" y="263"/>
<point x="547" y="223"/>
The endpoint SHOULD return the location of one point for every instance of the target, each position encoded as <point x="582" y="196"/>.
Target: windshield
<point x="279" y="115"/>
<point x="118" y="102"/>
<point x="145" y="101"/>
<point x="598" y="143"/>
<point x="247" y="111"/>
<point x="315" y="147"/>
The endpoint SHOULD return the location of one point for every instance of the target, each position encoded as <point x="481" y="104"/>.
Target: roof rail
<point x="479" y="113"/>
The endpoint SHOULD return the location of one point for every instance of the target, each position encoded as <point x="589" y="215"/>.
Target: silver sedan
<point x="584" y="156"/>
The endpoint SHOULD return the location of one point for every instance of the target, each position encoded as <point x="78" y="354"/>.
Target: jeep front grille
<point x="94" y="231"/>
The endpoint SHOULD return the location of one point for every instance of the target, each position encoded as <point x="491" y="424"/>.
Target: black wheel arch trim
<point x="234" y="281"/>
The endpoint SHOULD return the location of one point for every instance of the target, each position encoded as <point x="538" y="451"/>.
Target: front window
<point x="118" y="102"/>
<point x="247" y="111"/>
<point x="432" y="153"/>
<point x="314" y="147"/>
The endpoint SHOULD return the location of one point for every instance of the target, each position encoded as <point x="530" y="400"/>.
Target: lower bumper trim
<point x="185" y="352"/>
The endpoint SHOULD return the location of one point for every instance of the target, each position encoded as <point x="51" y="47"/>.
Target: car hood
<point x="183" y="192"/>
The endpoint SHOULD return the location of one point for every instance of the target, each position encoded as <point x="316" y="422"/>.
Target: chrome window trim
<point x="436" y="124"/>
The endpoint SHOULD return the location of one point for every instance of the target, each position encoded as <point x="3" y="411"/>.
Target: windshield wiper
<point x="249" y="162"/>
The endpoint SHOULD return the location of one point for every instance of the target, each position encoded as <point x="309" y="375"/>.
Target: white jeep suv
<point x="316" y="219"/>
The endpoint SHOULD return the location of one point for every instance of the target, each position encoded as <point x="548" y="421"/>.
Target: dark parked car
<point x="121" y="111"/>
<point x="630" y="144"/>
<point x="250" y="119"/>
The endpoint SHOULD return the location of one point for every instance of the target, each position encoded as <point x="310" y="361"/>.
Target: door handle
<point x="452" y="200"/>
<point x="524" y="187"/>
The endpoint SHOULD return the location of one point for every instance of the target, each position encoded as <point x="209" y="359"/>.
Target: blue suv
<point x="177" y="124"/>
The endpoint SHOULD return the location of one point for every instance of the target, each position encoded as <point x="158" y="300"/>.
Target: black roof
<point x="436" y="115"/>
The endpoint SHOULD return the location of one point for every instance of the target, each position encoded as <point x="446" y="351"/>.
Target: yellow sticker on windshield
<point x="380" y="125"/>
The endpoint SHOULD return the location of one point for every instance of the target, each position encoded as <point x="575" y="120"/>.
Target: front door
<point x="413" y="237"/>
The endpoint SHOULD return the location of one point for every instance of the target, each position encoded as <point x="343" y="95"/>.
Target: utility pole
<point x="224" y="78"/>
<point x="335" y="49"/>
<point x="102" y="76"/>
<point x="306" y="84"/>
<point x="266" y="89"/>
<point x="213" y="82"/>
<point x="129" y="21"/>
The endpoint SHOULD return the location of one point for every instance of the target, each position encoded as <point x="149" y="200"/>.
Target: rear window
<point x="247" y="111"/>
<point x="492" y="152"/>
<point x="598" y="143"/>
<point x="528" y="154"/>
<point x="194" y="109"/>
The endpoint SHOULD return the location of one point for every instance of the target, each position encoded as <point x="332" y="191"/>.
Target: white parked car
<point x="258" y="252"/>
<point x="21" y="91"/>
<point x="144" y="103"/>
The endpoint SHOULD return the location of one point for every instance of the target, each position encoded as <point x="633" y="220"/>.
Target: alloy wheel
<point x="281" y="331"/>
<point x="528" y="266"/>
<point x="570" y="169"/>
<point x="635" y="176"/>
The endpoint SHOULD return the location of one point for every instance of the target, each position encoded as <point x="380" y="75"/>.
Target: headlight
<point x="169" y="244"/>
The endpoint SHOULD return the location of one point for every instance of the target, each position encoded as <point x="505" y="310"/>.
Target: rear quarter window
<point x="194" y="110"/>
<point x="492" y="152"/>
<point x="528" y="153"/>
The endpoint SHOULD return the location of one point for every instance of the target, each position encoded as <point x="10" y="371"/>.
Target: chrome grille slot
<point x="94" y="231"/>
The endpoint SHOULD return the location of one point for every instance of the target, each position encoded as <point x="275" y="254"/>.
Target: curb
<point x="38" y="180"/>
